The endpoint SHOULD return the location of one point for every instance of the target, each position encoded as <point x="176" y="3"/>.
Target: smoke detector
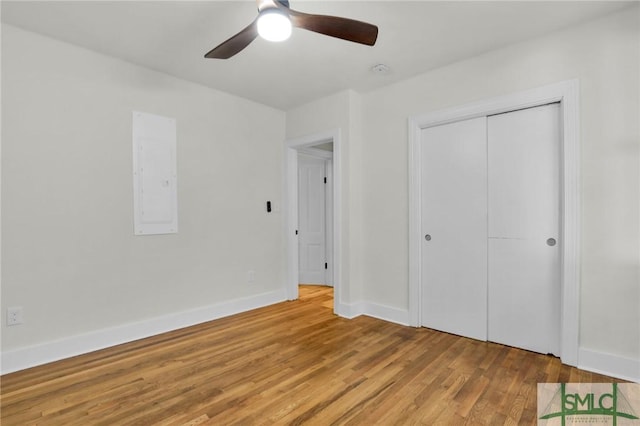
<point x="380" y="69"/>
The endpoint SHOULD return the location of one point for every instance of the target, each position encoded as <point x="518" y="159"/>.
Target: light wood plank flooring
<point x="291" y="363"/>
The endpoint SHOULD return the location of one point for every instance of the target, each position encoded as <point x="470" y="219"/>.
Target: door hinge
<point x="296" y="232"/>
<point x="325" y="180"/>
<point x="326" y="265"/>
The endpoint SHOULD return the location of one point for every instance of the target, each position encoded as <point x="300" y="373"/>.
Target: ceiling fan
<point x="274" y="23"/>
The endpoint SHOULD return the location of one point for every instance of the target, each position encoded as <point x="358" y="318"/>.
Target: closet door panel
<point x="524" y="211"/>
<point x="454" y="228"/>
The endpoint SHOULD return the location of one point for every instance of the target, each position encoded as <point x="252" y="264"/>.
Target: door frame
<point x="291" y="149"/>
<point x="565" y="92"/>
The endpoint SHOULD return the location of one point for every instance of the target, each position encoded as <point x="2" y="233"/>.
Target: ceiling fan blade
<point x="235" y="44"/>
<point x="344" y="28"/>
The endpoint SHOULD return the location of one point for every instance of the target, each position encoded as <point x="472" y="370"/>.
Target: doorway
<point x="329" y="145"/>
<point x="566" y="94"/>
<point x="318" y="295"/>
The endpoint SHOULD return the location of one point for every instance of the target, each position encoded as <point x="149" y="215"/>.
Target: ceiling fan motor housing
<point x="271" y="4"/>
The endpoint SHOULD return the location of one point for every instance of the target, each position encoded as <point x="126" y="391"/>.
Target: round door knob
<point x="551" y="242"/>
<point x="427" y="237"/>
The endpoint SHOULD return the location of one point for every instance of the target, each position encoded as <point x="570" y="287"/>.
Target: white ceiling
<point x="414" y="37"/>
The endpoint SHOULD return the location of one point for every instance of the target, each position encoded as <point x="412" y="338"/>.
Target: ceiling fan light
<point x="274" y="26"/>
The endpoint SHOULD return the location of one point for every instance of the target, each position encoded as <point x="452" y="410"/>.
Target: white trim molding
<point x="291" y="149"/>
<point x="318" y="153"/>
<point x="374" y="310"/>
<point x="22" y="358"/>
<point x="609" y="365"/>
<point x="349" y="310"/>
<point x="566" y="93"/>
<point x="385" y="313"/>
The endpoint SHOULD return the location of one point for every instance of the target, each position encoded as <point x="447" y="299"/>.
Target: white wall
<point x="69" y="254"/>
<point x="70" y="258"/>
<point x="341" y="111"/>
<point x="604" y="56"/>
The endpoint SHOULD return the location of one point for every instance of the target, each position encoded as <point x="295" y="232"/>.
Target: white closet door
<point x="524" y="211"/>
<point x="311" y="217"/>
<point x="454" y="222"/>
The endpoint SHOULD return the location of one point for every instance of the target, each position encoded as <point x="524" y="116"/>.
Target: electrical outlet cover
<point x="14" y="316"/>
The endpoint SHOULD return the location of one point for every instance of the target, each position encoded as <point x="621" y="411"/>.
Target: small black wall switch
<point x="268" y="206"/>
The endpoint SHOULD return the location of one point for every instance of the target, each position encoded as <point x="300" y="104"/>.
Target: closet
<point x="490" y="203"/>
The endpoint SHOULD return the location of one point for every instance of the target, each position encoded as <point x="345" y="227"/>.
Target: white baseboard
<point x="348" y="310"/>
<point x="22" y="358"/>
<point x="609" y="365"/>
<point x="594" y="361"/>
<point x="386" y="313"/>
<point x="375" y="310"/>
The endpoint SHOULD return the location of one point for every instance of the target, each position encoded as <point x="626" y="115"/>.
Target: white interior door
<point x="454" y="228"/>
<point x="311" y="220"/>
<point x="524" y="211"/>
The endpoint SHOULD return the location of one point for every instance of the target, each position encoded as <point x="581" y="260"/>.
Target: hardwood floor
<point x="290" y="363"/>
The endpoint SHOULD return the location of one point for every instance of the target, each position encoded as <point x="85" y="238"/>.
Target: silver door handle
<point x="551" y="242"/>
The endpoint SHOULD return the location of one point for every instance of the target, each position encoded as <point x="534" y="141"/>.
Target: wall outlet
<point x="251" y="276"/>
<point x="14" y="315"/>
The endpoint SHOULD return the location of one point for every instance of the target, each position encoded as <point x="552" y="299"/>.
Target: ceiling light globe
<point x="274" y="26"/>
